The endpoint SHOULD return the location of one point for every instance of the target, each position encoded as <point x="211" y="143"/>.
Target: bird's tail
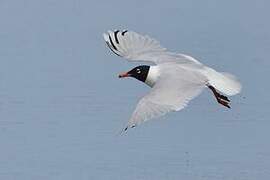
<point x="223" y="82"/>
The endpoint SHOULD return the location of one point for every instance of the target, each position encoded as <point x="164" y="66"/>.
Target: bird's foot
<point x="223" y="102"/>
<point x="221" y="99"/>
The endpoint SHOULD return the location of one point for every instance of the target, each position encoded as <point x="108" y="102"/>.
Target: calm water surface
<point x="62" y="105"/>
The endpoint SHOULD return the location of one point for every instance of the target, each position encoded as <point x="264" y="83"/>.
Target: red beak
<point x="122" y="75"/>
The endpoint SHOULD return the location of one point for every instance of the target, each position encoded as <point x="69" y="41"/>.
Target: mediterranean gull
<point x="175" y="78"/>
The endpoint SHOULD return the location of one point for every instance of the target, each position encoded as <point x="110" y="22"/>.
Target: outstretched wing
<point x="135" y="47"/>
<point x="175" y="88"/>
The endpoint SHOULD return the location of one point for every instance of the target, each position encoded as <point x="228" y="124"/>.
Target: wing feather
<point x="136" y="47"/>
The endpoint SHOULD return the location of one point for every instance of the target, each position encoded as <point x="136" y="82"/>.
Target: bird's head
<point x="139" y="72"/>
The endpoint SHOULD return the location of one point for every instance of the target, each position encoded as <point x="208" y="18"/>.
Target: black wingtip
<point x="115" y="36"/>
<point x="124" y="32"/>
<point x="108" y="44"/>
<point x="112" y="43"/>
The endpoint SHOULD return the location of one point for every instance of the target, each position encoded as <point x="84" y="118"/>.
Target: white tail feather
<point x="223" y="82"/>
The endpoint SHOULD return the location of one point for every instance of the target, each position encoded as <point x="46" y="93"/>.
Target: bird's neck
<point x="152" y="76"/>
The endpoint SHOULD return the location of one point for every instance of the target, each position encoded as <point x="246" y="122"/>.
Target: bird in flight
<point x="175" y="78"/>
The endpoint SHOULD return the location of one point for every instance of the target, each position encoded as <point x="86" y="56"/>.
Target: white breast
<point x="152" y="76"/>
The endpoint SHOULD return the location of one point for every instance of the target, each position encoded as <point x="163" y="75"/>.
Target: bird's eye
<point x="138" y="71"/>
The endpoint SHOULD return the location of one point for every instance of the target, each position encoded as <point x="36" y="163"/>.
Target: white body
<point x="152" y="76"/>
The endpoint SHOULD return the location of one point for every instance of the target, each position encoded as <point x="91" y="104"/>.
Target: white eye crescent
<point x="138" y="71"/>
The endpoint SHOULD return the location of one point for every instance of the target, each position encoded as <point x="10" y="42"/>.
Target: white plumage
<point x="175" y="79"/>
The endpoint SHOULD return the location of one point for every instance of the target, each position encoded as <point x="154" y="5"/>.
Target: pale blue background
<point x="62" y="105"/>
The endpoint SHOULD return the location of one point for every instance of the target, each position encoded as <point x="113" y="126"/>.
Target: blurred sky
<point x="62" y="105"/>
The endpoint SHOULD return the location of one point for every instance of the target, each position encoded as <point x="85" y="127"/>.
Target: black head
<point x="139" y="72"/>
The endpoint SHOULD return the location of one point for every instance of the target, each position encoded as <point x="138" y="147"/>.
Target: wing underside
<point x="172" y="92"/>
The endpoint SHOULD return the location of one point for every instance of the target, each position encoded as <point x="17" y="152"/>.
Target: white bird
<point x="175" y="78"/>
